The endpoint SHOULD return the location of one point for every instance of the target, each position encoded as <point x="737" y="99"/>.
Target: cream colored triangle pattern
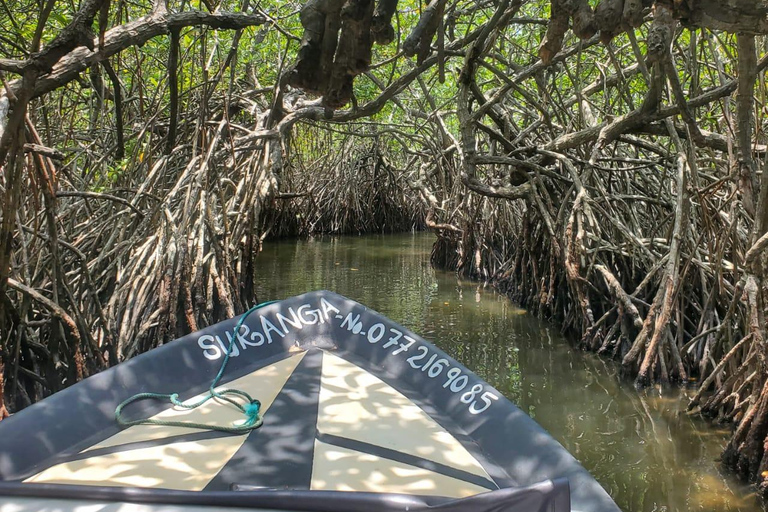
<point x="357" y="405"/>
<point x="185" y="465"/>
<point x="342" y="469"/>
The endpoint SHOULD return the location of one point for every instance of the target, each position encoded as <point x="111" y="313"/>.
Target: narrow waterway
<point x="644" y="449"/>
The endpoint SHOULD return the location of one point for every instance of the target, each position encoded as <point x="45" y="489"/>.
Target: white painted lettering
<point x="352" y="324"/>
<point x="327" y="307"/>
<point x="268" y="327"/>
<point x="235" y="351"/>
<point x="404" y="348"/>
<point x="241" y="336"/>
<point x="210" y="349"/>
<point x="257" y="340"/>
<point x="308" y="317"/>
<point x="295" y="321"/>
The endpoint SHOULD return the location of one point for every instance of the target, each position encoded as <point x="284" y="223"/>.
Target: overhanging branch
<point x="135" y="33"/>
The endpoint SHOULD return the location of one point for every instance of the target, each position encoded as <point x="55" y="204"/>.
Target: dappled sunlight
<point x="357" y="405"/>
<point x="708" y="494"/>
<point x="263" y="384"/>
<point x="341" y="469"/>
<point x="58" y="505"/>
<point x="186" y="465"/>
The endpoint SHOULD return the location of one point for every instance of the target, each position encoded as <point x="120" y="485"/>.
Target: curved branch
<point x="135" y="33"/>
<point x="97" y="195"/>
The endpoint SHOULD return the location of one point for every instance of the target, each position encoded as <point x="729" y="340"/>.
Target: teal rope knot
<point x="252" y="412"/>
<point x="251" y="409"/>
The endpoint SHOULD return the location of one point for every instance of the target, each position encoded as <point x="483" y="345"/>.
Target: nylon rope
<point x="251" y="409"/>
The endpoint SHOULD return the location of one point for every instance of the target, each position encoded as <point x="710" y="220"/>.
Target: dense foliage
<point x="599" y="161"/>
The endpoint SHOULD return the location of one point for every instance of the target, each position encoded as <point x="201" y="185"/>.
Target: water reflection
<point x="643" y="449"/>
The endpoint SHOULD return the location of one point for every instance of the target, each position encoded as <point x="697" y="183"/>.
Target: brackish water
<point x="647" y="453"/>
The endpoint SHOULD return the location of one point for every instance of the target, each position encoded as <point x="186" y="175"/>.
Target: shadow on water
<point x="643" y="449"/>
